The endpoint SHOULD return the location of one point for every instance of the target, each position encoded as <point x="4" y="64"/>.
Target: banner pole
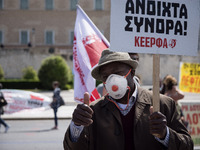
<point x="156" y="81"/>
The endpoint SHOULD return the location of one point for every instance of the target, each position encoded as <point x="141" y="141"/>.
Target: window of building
<point x="98" y="4"/>
<point x="73" y="4"/>
<point x="1" y="4"/>
<point x="1" y="37"/>
<point x="24" y="37"/>
<point x="71" y="37"/>
<point x="24" y="4"/>
<point x="49" y="4"/>
<point x="49" y="37"/>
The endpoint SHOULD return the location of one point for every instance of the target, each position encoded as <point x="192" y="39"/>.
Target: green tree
<point x="29" y="73"/>
<point x="1" y="73"/>
<point x="54" y="68"/>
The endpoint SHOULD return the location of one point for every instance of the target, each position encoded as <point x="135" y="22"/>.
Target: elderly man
<point x="122" y="120"/>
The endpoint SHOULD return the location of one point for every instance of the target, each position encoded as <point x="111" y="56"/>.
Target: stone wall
<point x="13" y="61"/>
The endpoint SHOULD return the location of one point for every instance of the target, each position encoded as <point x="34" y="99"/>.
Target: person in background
<point x="136" y="78"/>
<point x="56" y="102"/>
<point x="169" y="88"/>
<point x="101" y="90"/>
<point x="2" y="111"/>
<point x="123" y="119"/>
<point x="134" y="56"/>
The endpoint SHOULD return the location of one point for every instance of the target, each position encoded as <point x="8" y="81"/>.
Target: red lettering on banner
<point x="36" y="97"/>
<point x="142" y="41"/>
<point x="172" y="43"/>
<point x="184" y="80"/>
<point x="195" y="131"/>
<point x="159" y="42"/>
<point x="151" y="41"/>
<point x="197" y="81"/>
<point x="136" y="41"/>
<point x="76" y="63"/>
<point x="18" y="108"/>
<point x="79" y="99"/>
<point x="185" y="107"/>
<point x="94" y="46"/>
<point x="194" y="89"/>
<point x="195" y="108"/>
<point x="195" y="118"/>
<point x="198" y="130"/>
<point x="147" y="41"/>
<point x="165" y="43"/>
<point x="19" y="102"/>
<point x="193" y="81"/>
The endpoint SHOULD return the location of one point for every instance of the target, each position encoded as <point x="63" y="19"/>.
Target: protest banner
<point x="155" y="27"/>
<point x="189" y="77"/>
<point x="191" y="111"/>
<point x="19" y="100"/>
<point x="89" y="42"/>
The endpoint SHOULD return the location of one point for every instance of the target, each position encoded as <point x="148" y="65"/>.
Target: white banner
<point x="19" y="100"/>
<point x="88" y="45"/>
<point x="191" y="111"/>
<point x="155" y="26"/>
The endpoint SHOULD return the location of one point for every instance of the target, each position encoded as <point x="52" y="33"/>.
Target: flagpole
<point x="90" y="21"/>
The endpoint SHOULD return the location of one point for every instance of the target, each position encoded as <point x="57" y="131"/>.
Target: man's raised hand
<point x="82" y="115"/>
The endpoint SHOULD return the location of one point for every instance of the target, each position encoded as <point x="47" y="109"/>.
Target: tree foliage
<point x="54" y="68"/>
<point x="29" y="73"/>
<point x="1" y="73"/>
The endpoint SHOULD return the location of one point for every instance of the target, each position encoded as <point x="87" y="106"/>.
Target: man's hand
<point x="157" y="124"/>
<point x="83" y="113"/>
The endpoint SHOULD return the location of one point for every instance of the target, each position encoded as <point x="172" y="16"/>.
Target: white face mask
<point x="116" y="85"/>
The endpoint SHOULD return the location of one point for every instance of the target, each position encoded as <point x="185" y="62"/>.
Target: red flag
<point x="89" y="42"/>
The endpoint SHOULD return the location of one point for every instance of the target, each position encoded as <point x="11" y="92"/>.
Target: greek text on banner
<point x="156" y="27"/>
<point x="189" y="80"/>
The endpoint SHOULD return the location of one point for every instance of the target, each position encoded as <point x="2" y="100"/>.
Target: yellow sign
<point x="189" y="80"/>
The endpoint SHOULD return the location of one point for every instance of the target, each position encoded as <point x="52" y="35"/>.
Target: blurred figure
<point x="136" y="78"/>
<point x="101" y="90"/>
<point x="134" y="56"/>
<point x="169" y="88"/>
<point x="3" y="103"/>
<point x="56" y="102"/>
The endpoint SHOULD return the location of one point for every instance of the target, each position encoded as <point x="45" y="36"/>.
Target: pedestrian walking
<point x="56" y="102"/>
<point x="3" y="103"/>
